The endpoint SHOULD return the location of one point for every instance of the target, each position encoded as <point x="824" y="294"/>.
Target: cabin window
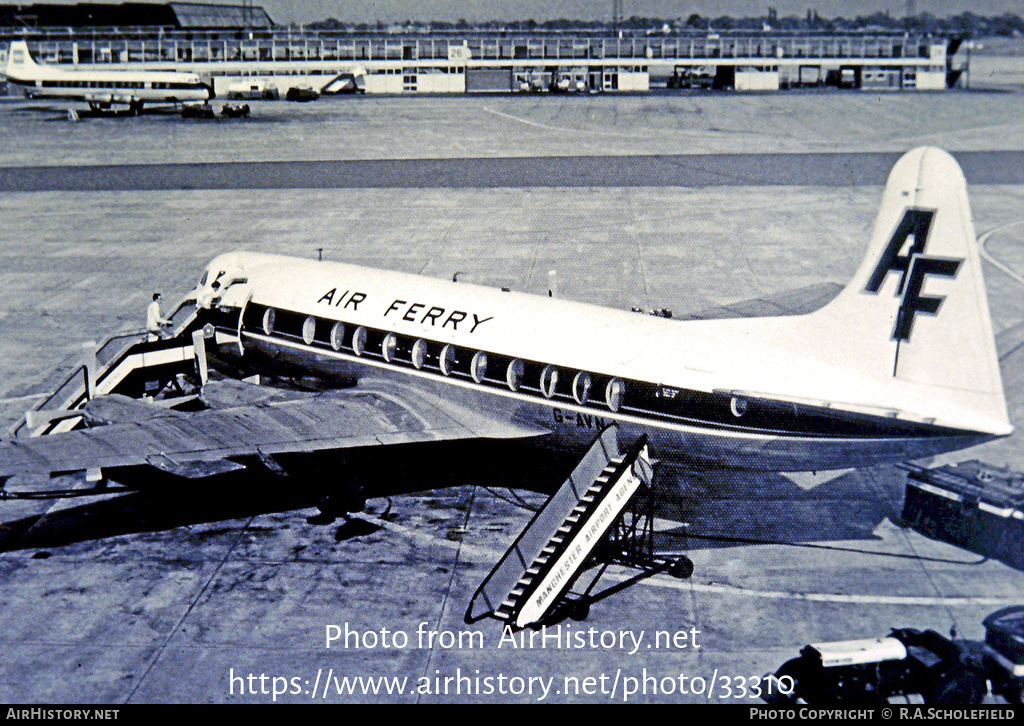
<point x="548" y="381"/>
<point x="614" y="392"/>
<point x="478" y="366"/>
<point x="337" y="335"/>
<point x="514" y="374"/>
<point x="447" y="360"/>
<point x="581" y="387"/>
<point x="419" y="353"/>
<point x="389" y="347"/>
<point x="308" y="330"/>
<point x="268" y="321"/>
<point x="359" y="340"/>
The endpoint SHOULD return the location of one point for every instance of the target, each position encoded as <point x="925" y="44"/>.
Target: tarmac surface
<point x="521" y="125"/>
<point x="691" y="170"/>
<point x="224" y="596"/>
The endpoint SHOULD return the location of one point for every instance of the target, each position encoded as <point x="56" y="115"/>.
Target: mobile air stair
<point x="135" y="364"/>
<point x="601" y="515"/>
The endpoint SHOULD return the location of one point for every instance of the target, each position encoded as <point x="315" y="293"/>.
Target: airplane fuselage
<point x="102" y="88"/>
<point x="123" y="87"/>
<point x="562" y="366"/>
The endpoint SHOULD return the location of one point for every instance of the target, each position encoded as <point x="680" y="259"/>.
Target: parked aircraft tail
<point x="916" y="311"/>
<point x="18" y="58"/>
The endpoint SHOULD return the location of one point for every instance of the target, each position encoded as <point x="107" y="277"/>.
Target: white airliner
<point x="102" y="89"/>
<point x="901" y="365"/>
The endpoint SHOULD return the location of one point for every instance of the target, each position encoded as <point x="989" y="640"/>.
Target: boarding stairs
<point x="601" y="515"/>
<point x="346" y="82"/>
<point x="134" y="363"/>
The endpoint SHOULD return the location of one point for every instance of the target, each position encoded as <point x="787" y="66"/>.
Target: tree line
<point x="965" y="24"/>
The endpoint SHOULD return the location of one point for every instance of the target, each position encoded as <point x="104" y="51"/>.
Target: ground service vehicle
<point x="909" y="663"/>
<point x="256" y="88"/>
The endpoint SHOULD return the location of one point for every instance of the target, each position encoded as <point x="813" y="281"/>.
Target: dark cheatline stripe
<point x="697" y="170"/>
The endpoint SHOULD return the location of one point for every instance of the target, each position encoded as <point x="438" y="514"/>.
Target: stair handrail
<point x="66" y="399"/>
<point x="468" y="617"/>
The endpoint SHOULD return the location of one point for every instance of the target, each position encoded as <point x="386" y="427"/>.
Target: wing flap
<point x="193" y="469"/>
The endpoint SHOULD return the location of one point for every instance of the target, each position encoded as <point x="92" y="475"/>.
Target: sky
<point x="371" y="11"/>
<point x="302" y="11"/>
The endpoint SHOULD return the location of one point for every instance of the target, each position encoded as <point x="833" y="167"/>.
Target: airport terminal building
<point x="228" y="44"/>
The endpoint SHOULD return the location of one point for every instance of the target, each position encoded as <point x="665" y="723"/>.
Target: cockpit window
<point x="223" y="280"/>
<point x="219" y="276"/>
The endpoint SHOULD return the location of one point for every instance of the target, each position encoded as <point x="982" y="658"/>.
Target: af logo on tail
<point x="913" y="266"/>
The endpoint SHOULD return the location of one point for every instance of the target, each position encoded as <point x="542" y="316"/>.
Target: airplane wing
<point x="247" y="422"/>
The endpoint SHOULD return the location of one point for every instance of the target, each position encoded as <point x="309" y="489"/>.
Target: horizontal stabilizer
<point x="801" y="301"/>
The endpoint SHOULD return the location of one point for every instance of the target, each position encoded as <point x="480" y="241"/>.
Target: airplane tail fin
<point x="18" y="59"/>
<point x="916" y="311"/>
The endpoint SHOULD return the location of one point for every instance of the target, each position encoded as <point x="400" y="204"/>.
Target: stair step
<point x="587" y="486"/>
